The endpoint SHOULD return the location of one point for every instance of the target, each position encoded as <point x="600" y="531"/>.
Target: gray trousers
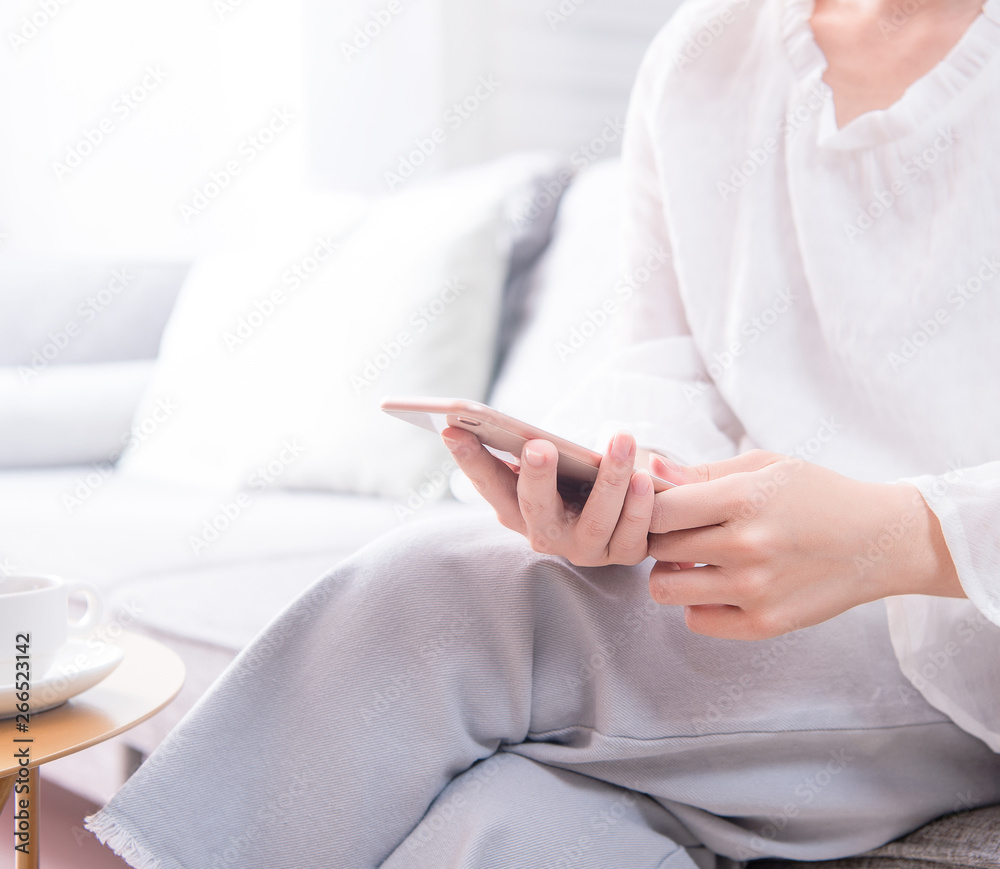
<point x="447" y="698"/>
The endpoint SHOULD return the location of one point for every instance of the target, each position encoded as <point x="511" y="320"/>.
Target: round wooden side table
<point x="147" y="679"/>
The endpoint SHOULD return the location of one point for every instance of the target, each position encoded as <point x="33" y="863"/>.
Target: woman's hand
<point x="611" y="527"/>
<point x="788" y="544"/>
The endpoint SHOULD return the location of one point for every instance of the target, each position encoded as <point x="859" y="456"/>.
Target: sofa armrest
<point x="64" y="311"/>
<point x="966" y="840"/>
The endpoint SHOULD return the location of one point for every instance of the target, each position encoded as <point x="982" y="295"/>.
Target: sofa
<point x="202" y="440"/>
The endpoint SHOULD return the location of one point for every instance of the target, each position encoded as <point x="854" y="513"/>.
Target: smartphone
<point x="504" y="436"/>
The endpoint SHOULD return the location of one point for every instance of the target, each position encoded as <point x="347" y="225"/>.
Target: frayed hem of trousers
<point x="109" y="832"/>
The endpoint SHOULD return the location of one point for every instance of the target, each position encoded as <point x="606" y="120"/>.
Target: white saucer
<point x="81" y="665"/>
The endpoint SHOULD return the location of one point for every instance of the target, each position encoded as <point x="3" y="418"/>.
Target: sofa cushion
<point x="185" y="563"/>
<point x="269" y="369"/>
<point x="570" y="311"/>
<point x="966" y="840"/>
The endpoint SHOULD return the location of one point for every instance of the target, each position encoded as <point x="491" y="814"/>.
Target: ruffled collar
<point x="925" y="98"/>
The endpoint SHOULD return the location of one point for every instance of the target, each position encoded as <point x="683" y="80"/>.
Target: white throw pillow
<point x="69" y="414"/>
<point x="277" y="383"/>
<point x="574" y="307"/>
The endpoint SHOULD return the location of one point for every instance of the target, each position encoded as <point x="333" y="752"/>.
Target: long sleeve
<point x="656" y="385"/>
<point x="832" y="293"/>
<point x="950" y="649"/>
<point x="967" y="503"/>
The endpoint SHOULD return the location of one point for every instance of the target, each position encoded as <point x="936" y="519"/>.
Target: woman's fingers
<point x="601" y="514"/>
<point x="716" y="492"/>
<point x="630" y="541"/>
<point x="717" y="604"/>
<point x="493" y="479"/>
<point x="541" y="506"/>
<point x="609" y="524"/>
<point x="714" y="544"/>
<point x="692" y="587"/>
<point x="753" y="460"/>
<point x="736" y="623"/>
<point x="699" y="505"/>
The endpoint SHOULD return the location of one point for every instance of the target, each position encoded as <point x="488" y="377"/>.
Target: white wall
<point x="560" y="77"/>
<point x="228" y="65"/>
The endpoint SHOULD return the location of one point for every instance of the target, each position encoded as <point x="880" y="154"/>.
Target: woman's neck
<point x="914" y="9"/>
<point x="876" y="49"/>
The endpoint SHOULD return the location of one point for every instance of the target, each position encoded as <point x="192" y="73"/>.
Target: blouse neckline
<point x="977" y="48"/>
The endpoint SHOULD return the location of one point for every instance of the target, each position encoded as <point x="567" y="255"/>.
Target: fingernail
<point x="641" y="484"/>
<point x="533" y="457"/>
<point x="621" y="447"/>
<point x="450" y="443"/>
<point x="663" y="467"/>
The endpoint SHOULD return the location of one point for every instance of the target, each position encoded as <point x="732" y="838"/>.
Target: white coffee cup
<point x="37" y="608"/>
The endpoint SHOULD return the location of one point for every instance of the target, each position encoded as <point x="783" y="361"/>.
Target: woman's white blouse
<point x="834" y="294"/>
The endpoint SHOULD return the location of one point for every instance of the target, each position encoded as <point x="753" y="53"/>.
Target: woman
<point x="825" y="180"/>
